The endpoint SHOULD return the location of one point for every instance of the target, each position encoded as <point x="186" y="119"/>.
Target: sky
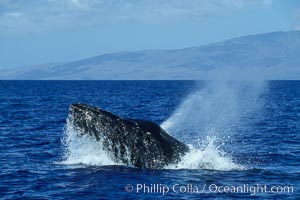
<point x="36" y="32"/>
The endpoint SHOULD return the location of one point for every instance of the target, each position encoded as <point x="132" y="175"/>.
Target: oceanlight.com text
<point x="164" y="189"/>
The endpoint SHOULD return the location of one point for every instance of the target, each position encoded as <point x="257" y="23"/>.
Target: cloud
<point x="36" y="15"/>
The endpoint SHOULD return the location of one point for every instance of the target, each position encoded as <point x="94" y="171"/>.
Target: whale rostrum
<point x="133" y="142"/>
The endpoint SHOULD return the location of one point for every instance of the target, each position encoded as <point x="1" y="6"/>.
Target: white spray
<point x="83" y="149"/>
<point x="209" y="115"/>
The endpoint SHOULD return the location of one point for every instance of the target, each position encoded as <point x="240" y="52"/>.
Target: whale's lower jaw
<point x="138" y="143"/>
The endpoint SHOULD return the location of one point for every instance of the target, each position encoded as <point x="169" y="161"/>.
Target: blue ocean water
<point x="244" y="134"/>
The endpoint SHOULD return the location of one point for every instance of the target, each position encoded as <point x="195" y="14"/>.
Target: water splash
<point x="211" y="158"/>
<point x="202" y="121"/>
<point x="83" y="149"/>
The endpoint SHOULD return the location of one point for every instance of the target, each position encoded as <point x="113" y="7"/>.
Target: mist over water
<point x="210" y="116"/>
<point x="216" y="109"/>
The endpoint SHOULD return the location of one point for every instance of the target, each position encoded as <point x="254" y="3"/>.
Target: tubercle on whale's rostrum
<point x="135" y="142"/>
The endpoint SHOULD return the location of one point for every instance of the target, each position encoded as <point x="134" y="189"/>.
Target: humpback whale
<point x="133" y="142"/>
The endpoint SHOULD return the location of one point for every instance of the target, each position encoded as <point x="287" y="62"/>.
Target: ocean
<point x="244" y="136"/>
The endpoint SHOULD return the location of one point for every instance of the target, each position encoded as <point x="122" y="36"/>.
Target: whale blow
<point x="134" y="142"/>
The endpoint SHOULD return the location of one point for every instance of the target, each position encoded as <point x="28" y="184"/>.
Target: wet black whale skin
<point x="134" y="142"/>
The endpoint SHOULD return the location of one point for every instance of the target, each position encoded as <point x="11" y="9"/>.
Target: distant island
<point x="271" y="56"/>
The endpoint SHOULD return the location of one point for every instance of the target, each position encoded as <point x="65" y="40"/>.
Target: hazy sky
<point x="44" y="31"/>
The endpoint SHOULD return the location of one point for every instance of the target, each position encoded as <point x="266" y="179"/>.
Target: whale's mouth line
<point x="78" y="109"/>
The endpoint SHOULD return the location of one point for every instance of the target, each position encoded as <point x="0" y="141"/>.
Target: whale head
<point x="91" y="120"/>
<point x="134" y="142"/>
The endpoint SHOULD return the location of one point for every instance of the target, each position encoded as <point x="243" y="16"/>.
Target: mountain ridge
<point x="272" y="55"/>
